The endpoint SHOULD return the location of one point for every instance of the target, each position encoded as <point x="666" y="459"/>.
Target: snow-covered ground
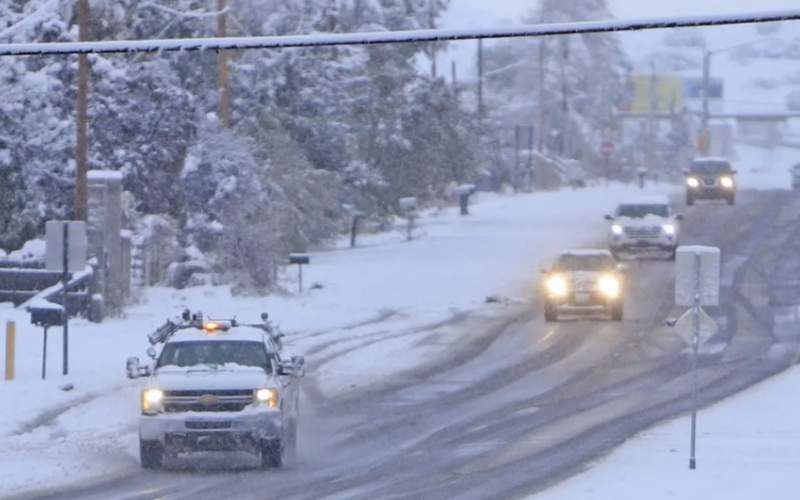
<point x="748" y="447"/>
<point x="54" y="437"/>
<point x="761" y="168"/>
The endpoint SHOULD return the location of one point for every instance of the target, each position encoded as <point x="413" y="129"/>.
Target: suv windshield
<point x="214" y="354"/>
<point x="711" y="167"/>
<point x="572" y="262"/>
<point x="640" y="211"/>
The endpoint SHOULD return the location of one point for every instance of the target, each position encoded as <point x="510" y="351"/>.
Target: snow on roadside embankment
<point x="50" y="437"/>
<point x="748" y="447"/>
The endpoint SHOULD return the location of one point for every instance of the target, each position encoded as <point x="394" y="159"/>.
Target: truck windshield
<point x="215" y="354"/>
<point x="572" y="262"/>
<point x="641" y="211"/>
<point x="711" y="167"/>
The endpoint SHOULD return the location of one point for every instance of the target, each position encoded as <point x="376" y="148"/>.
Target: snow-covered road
<point x="364" y="325"/>
<point x="417" y="387"/>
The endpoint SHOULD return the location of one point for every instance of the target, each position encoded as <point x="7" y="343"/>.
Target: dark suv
<point x="710" y="179"/>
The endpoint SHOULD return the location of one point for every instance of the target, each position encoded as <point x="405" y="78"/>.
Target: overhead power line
<point x="387" y="37"/>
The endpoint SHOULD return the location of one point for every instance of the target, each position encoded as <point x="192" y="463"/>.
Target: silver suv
<point x="218" y="386"/>
<point x="644" y="224"/>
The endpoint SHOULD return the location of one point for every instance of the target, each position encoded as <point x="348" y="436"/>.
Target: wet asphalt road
<point x="519" y="404"/>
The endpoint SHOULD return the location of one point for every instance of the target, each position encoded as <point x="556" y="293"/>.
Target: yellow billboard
<point x="666" y="98"/>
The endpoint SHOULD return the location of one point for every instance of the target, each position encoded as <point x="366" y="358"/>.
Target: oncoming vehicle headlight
<point x="726" y="182"/>
<point x="268" y="397"/>
<point x="152" y="400"/>
<point x="609" y="286"/>
<point x="616" y="229"/>
<point x="692" y="182"/>
<point x="669" y="229"/>
<point x="557" y="285"/>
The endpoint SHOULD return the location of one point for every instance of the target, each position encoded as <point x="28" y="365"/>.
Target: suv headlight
<point x="669" y="229"/>
<point x="726" y="182"/>
<point x="616" y="230"/>
<point x="557" y="285"/>
<point x="609" y="286"/>
<point x="152" y="401"/>
<point x="692" y="182"/>
<point x="267" y="397"/>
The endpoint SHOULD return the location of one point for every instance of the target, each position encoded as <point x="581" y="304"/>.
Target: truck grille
<point x="202" y="401"/>
<point x="643" y="233"/>
<point x="709" y="181"/>
<point x="208" y="425"/>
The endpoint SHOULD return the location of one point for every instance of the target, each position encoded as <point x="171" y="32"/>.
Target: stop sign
<point x="607" y="149"/>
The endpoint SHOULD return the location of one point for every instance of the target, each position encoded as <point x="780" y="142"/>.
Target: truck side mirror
<point x="609" y="217"/>
<point x="295" y="367"/>
<point x="132" y="368"/>
<point x="151" y="351"/>
<point x="679" y="217"/>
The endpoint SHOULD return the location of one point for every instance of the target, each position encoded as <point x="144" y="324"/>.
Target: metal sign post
<point x="696" y="285"/>
<point x="695" y="351"/>
<point x="66" y="252"/>
<point x="65" y="300"/>
<point x="300" y="259"/>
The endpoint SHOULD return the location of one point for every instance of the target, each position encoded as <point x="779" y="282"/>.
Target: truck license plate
<point x="582" y="298"/>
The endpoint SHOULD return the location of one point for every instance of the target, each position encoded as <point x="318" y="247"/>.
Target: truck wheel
<point x="550" y="313"/>
<point x="271" y="453"/>
<point x="689" y="200"/>
<point x="616" y="312"/>
<point x="151" y="454"/>
<point x="672" y="253"/>
<point x="731" y="200"/>
<point x="291" y="443"/>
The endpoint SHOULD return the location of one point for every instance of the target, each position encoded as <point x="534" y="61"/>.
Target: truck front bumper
<point x="217" y="431"/>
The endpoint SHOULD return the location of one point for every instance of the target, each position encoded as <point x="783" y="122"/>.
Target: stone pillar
<point x="105" y="242"/>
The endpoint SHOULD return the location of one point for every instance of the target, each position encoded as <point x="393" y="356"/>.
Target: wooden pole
<point x="82" y="144"/>
<point x="11" y="336"/>
<point x="222" y="66"/>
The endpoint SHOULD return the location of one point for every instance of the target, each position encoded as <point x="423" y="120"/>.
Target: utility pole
<point x="651" y="122"/>
<point x="432" y="23"/>
<point x="222" y="67"/>
<point x="564" y="103"/>
<point x="705" y="134"/>
<point x="480" y="84"/>
<point x="542" y="80"/>
<point x="454" y="75"/>
<point x="82" y="139"/>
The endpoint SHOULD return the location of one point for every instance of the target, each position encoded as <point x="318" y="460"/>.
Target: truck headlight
<point x="726" y="182"/>
<point x="152" y="400"/>
<point x="609" y="286"/>
<point x="557" y="285"/>
<point x="692" y="182"/>
<point x="268" y="397"/>
<point x="616" y="230"/>
<point x="669" y="229"/>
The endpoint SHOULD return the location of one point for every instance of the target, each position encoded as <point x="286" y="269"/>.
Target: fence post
<point x="11" y="334"/>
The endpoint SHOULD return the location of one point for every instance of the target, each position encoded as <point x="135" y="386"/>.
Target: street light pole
<point x="705" y="137"/>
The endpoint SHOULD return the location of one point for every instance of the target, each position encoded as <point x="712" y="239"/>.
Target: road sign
<point x="76" y="245"/>
<point x="607" y="149"/>
<point x="697" y="271"/>
<point x="707" y="328"/>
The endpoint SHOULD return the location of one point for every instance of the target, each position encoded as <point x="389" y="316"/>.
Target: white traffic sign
<point x="76" y="248"/>
<point x="697" y="272"/>
<point x="707" y="328"/>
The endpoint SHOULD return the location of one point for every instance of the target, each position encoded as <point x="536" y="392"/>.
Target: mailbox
<point x="408" y="204"/>
<point x="47" y="316"/>
<point x="299" y="258"/>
